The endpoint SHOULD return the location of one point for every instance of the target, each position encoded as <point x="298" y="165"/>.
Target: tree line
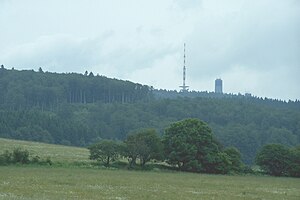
<point x="187" y="145"/>
<point x="27" y="88"/>
<point x="79" y="109"/>
<point x="190" y="145"/>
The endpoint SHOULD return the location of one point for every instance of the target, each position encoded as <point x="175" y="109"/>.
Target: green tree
<point x="294" y="165"/>
<point x="273" y="159"/>
<point x="218" y="163"/>
<point x="91" y="74"/>
<point x="190" y="145"/>
<point x="105" y="151"/>
<point x="143" y="145"/>
<point x="235" y="158"/>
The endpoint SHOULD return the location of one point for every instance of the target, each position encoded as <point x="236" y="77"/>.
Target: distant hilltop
<point x="27" y="88"/>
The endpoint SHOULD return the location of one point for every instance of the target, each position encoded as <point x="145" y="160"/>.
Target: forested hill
<point x="27" y="89"/>
<point x="79" y="109"/>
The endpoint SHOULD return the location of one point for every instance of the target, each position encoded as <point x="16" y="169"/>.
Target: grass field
<point x="48" y="182"/>
<point x="80" y="183"/>
<point x="57" y="153"/>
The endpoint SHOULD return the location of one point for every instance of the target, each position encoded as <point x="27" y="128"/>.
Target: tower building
<point x="219" y="86"/>
<point x="183" y="86"/>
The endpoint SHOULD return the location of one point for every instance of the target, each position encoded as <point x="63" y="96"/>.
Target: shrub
<point x="35" y="159"/>
<point x="2" y="160"/>
<point x="20" y="156"/>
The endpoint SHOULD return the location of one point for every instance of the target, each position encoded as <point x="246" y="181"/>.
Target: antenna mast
<point x="183" y="86"/>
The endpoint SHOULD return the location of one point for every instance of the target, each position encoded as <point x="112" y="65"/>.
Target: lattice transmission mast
<point x="184" y="88"/>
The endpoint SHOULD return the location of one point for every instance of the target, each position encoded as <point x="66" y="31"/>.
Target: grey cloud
<point x="66" y="53"/>
<point x="260" y="39"/>
<point x="188" y="4"/>
<point x="53" y="52"/>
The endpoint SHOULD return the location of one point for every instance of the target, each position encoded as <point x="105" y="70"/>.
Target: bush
<point x="5" y="158"/>
<point x="247" y="170"/>
<point x="20" y="156"/>
<point x="35" y="159"/>
<point x="2" y="160"/>
<point x="38" y="160"/>
<point x="48" y="161"/>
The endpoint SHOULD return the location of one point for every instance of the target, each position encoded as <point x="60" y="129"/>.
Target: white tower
<point x="183" y="86"/>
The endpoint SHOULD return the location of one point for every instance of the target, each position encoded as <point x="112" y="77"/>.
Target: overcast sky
<point x="252" y="45"/>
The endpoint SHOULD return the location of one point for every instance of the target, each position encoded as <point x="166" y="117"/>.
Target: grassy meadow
<point x="57" y="153"/>
<point x="67" y="182"/>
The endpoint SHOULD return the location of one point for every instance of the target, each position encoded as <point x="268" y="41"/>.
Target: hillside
<point x="27" y="88"/>
<point x="76" y="109"/>
<point x="57" y="153"/>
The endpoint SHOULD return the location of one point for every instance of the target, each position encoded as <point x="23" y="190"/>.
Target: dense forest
<point x="79" y="109"/>
<point x="27" y="89"/>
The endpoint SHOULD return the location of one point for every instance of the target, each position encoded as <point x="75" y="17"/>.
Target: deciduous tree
<point x="105" y="151"/>
<point x="273" y="159"/>
<point x="235" y="159"/>
<point x="294" y="165"/>
<point x="144" y="145"/>
<point x="190" y="145"/>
